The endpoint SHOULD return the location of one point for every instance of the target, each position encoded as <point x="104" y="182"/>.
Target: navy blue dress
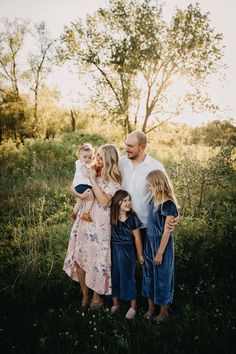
<point x="123" y="258"/>
<point x="158" y="281"/>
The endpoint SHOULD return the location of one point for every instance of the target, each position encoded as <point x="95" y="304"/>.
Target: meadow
<point x="40" y="305"/>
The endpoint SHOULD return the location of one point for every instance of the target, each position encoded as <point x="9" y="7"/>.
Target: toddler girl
<point x="81" y="180"/>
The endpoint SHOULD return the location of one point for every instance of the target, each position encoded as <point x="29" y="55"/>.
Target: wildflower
<point x="95" y="347"/>
<point x="95" y="329"/>
<point x="82" y="314"/>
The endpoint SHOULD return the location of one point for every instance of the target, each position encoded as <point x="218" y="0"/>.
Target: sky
<point x="58" y="13"/>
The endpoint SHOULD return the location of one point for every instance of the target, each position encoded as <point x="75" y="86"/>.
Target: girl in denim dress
<point x="158" y="269"/>
<point x="126" y="246"/>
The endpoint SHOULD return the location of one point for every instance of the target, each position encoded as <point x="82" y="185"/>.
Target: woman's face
<point x="99" y="159"/>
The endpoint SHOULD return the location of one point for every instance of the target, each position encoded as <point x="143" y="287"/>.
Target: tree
<point x="11" y="42"/>
<point x="22" y="71"/>
<point x="40" y="64"/>
<point x="135" y="56"/>
<point x="215" y="133"/>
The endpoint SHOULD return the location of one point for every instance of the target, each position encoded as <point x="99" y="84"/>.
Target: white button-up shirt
<point x="134" y="182"/>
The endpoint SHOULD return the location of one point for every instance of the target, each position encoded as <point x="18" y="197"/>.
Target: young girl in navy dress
<point x="158" y="269"/>
<point x="126" y="246"/>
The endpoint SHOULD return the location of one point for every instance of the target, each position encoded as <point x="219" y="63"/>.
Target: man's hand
<point x="171" y="224"/>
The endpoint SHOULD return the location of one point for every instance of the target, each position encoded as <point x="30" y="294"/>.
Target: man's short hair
<point x="141" y="137"/>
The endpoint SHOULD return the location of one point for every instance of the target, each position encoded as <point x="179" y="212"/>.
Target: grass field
<point x="40" y="305"/>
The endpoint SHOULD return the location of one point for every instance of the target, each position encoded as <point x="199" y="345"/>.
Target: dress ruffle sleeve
<point x="134" y="222"/>
<point x="169" y="208"/>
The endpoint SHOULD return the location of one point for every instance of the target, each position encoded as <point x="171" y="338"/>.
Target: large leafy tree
<point x="135" y="56"/>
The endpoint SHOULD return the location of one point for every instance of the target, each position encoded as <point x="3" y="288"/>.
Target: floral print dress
<point x="89" y="244"/>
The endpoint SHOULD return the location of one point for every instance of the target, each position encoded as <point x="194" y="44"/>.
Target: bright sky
<point x="57" y="13"/>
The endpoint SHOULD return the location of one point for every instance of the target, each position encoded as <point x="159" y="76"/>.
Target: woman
<point x="88" y="258"/>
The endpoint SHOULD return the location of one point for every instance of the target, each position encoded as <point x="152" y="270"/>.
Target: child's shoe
<point x="130" y="314"/>
<point x="86" y="217"/>
<point x="148" y="315"/>
<point x="73" y="217"/>
<point x="114" y="309"/>
<point x="161" y="318"/>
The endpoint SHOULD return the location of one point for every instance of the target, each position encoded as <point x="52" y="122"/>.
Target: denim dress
<point x="123" y="258"/>
<point x="158" y="281"/>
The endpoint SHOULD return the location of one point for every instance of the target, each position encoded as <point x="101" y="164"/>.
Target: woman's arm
<point x="101" y="197"/>
<point x="86" y="195"/>
<point x="164" y="240"/>
<point x="138" y="244"/>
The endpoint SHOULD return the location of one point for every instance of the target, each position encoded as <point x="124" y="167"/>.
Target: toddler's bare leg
<point x="75" y="209"/>
<point x="88" y="206"/>
<point x="77" y="205"/>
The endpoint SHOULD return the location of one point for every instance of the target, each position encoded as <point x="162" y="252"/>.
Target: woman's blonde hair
<point x="110" y="170"/>
<point x="162" y="188"/>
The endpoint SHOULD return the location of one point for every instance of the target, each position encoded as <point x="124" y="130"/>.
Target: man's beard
<point x="132" y="157"/>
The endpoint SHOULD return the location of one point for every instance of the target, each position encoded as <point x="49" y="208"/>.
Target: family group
<point x="125" y="212"/>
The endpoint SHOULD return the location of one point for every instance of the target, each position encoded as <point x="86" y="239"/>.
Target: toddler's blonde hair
<point x="85" y="147"/>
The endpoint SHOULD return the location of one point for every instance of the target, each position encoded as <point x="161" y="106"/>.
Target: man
<point x="135" y="166"/>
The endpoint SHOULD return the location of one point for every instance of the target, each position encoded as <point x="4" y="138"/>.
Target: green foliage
<point x="198" y="182"/>
<point x="216" y="133"/>
<point x="135" y="56"/>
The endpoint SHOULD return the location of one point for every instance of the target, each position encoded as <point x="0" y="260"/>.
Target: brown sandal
<point x="85" y="303"/>
<point x="96" y="305"/>
<point x="86" y="217"/>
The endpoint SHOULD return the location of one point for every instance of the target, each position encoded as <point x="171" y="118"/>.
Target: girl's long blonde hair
<point x="110" y="170"/>
<point x="162" y="188"/>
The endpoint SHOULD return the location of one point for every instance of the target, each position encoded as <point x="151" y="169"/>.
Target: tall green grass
<point x="40" y="305"/>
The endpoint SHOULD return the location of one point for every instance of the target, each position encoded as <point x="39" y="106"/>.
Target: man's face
<point x="132" y="147"/>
